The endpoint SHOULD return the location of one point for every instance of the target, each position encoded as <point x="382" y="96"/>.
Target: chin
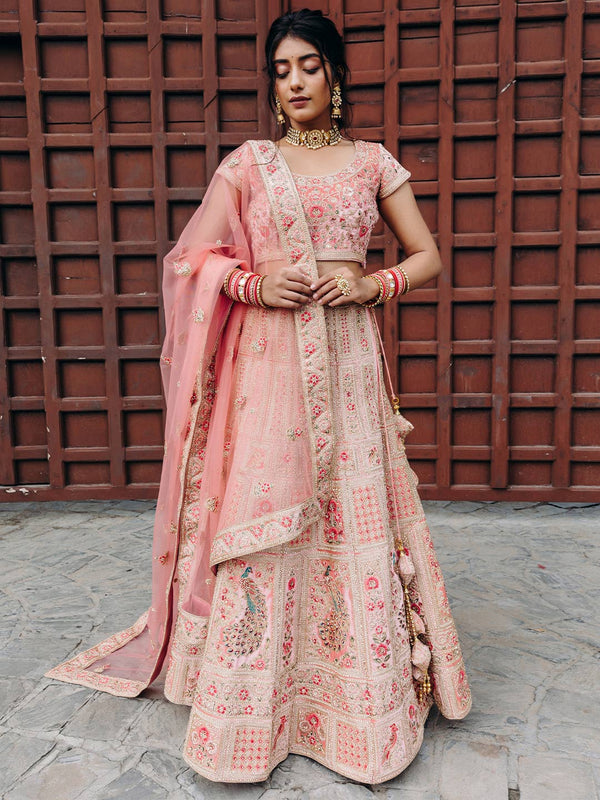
<point x="304" y="119"/>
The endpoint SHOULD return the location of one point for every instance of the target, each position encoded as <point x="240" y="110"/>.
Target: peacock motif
<point x="244" y="636"/>
<point x="333" y="630"/>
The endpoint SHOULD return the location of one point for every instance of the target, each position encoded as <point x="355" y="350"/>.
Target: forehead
<point x="293" y="49"/>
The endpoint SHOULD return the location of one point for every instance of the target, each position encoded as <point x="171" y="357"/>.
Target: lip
<point x="299" y="102"/>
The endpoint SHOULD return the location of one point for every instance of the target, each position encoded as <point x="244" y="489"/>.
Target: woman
<point x="297" y="603"/>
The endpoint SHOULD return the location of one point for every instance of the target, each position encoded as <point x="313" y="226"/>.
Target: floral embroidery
<point x="163" y="558"/>
<point x="182" y="268"/>
<point x="311" y="732"/>
<point x="262" y="488"/>
<point x="341" y="209"/>
<point x="212" y="503"/>
<point x="259" y="345"/>
<point x="293" y="433"/>
<point x="240" y="401"/>
<point x="198" y="315"/>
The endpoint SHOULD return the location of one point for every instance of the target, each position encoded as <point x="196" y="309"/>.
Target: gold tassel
<point x="280" y="117"/>
<point x="336" y="102"/>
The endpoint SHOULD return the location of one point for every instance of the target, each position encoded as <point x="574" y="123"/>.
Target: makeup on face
<point x="301" y="83"/>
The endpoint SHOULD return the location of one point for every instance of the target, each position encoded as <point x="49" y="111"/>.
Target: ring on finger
<point x="343" y="285"/>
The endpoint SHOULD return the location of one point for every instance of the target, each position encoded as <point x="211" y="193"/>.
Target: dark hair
<point x="321" y="33"/>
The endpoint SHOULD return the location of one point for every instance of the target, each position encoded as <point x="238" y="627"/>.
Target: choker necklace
<point x="313" y="139"/>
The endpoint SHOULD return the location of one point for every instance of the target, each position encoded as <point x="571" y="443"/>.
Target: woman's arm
<point x="402" y="215"/>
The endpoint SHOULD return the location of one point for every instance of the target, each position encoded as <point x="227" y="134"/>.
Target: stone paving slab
<point x="524" y="584"/>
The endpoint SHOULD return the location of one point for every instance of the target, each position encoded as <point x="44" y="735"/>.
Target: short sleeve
<point x="392" y="173"/>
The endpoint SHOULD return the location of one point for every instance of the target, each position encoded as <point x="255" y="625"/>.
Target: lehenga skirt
<point x="306" y="648"/>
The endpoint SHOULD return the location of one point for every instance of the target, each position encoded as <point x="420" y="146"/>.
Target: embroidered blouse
<point x="340" y="208"/>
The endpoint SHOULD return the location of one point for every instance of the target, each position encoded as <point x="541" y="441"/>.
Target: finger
<point x="324" y="289"/>
<point x="295" y="286"/>
<point x="329" y="296"/>
<point x="295" y="296"/>
<point x="293" y="275"/>
<point x="283" y="302"/>
<point x="342" y="300"/>
<point x="321" y="281"/>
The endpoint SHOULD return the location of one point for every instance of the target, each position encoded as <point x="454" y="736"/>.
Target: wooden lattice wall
<point x="113" y="117"/>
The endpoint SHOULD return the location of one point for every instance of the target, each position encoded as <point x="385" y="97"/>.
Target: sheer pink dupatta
<point x="213" y="242"/>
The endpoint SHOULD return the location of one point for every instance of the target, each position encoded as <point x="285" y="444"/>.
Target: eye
<point x="313" y="70"/>
<point x="281" y="75"/>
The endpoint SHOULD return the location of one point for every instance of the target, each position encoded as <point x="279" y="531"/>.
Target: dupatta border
<point x="311" y="331"/>
<point x="269" y="531"/>
<point x="75" y="670"/>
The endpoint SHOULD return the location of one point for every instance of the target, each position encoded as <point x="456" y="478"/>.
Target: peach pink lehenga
<point x="297" y="603"/>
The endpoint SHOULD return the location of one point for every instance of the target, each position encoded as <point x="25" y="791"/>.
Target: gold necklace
<point x="314" y="139"/>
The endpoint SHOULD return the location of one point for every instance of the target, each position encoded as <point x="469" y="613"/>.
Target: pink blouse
<point x="341" y="209"/>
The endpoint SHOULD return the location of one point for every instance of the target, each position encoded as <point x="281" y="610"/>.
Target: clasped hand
<point x="288" y="288"/>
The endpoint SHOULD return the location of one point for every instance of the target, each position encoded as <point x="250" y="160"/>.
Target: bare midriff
<point x="326" y="267"/>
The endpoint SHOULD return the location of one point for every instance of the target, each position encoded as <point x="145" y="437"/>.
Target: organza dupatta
<point x="251" y="216"/>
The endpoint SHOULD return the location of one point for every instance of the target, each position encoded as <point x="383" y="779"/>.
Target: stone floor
<point x="524" y="582"/>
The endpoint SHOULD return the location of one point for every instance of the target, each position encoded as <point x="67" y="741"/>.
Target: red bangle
<point x="255" y="295"/>
<point x="400" y="282"/>
<point x="401" y="274"/>
<point x="251" y="290"/>
<point x="233" y="284"/>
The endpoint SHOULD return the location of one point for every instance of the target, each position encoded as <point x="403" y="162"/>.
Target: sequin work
<point x="341" y="209"/>
<point x="307" y="648"/>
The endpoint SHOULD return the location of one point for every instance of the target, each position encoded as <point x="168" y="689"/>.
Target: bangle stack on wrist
<point x="391" y="282"/>
<point x="245" y="287"/>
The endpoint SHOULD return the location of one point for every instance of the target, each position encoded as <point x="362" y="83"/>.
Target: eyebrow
<point x="302" y="58"/>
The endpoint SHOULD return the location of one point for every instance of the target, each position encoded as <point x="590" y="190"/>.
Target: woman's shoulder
<point x="373" y="148"/>
<point x="248" y="154"/>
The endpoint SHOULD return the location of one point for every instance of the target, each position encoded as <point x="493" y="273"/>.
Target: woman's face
<point x="301" y="84"/>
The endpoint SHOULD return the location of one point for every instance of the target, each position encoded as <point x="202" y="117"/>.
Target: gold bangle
<point x="241" y="288"/>
<point x="259" y="296"/>
<point x="405" y="276"/>
<point x="378" y="299"/>
<point x="226" y="282"/>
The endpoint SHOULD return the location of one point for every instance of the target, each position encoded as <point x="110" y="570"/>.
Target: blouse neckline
<point x="350" y="166"/>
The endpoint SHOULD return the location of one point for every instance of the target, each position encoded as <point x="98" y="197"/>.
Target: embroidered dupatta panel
<point x="247" y="472"/>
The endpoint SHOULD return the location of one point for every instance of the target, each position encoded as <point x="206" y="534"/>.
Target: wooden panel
<point x="113" y="117"/>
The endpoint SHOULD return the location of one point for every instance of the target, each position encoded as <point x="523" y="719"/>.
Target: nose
<point x="296" y="82"/>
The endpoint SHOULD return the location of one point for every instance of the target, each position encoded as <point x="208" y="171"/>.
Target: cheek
<point x="323" y="93"/>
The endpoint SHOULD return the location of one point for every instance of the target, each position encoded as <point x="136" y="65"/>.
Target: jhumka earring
<point x="336" y="102"/>
<point x="280" y="117"/>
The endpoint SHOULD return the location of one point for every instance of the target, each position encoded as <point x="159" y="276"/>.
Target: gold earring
<point x="336" y="102"/>
<point x="280" y="117"/>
